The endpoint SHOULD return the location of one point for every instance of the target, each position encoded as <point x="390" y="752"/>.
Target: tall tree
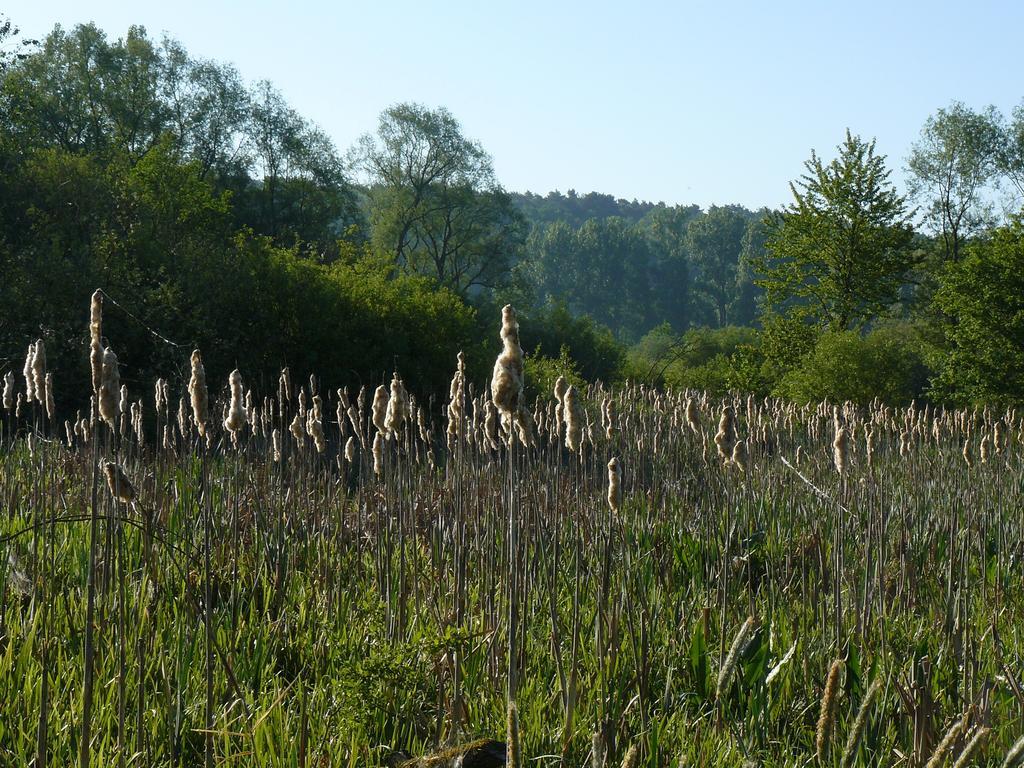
<point x="838" y="253"/>
<point x="435" y="203"/>
<point x="982" y="300"/>
<point x="715" y="242"/>
<point x="951" y="166"/>
<point x="1010" y="159"/>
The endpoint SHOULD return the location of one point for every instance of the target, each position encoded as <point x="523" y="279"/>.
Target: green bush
<point x="886" y="363"/>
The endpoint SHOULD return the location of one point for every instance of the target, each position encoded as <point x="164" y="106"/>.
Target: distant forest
<point x="215" y="216"/>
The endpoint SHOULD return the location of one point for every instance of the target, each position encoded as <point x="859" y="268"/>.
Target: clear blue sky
<point x="704" y="102"/>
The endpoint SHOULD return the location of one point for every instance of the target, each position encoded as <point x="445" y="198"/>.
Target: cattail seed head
<point x="237" y="415"/>
<point x="108" y="397"/>
<point x="739" y="455"/>
<point x="39" y="371"/>
<point x="350" y="450"/>
<point x="841" y="450"/>
<point x="30" y="382"/>
<point x="275" y="440"/>
<point x="197" y="392"/>
<point x="380" y="408"/>
<point x="397" y="412"/>
<point x="573" y="418"/>
<point x="692" y="417"/>
<point x="725" y="438"/>
<point x="507" y="378"/>
<point x="829" y="699"/>
<point x="614" y="485"/>
<point x="118" y="483"/>
<point x="51" y="406"/>
<point x="378" y="454"/>
<point x="8" y="390"/>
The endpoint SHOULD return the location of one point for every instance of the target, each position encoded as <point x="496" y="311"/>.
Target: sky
<point x="681" y="102"/>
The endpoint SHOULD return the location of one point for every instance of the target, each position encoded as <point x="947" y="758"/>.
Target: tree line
<point x="217" y="216"/>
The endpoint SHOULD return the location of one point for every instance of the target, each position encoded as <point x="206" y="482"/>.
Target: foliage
<point x="951" y="165"/>
<point x="839" y="252"/>
<point x="435" y="203"/>
<point x="886" y="363"/>
<point x="982" y="302"/>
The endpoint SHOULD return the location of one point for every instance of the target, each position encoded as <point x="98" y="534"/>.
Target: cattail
<point x="561" y="385"/>
<point x="159" y="396"/>
<point x="857" y="729"/>
<point x="315" y="425"/>
<point x="968" y="456"/>
<point x="284" y="387"/>
<point x="29" y="376"/>
<point x="39" y="372"/>
<point x="8" y="390"/>
<point x="869" y="446"/>
<point x="572" y="418"/>
<point x="841" y="450"/>
<point x="725" y="438"/>
<point x="168" y="441"/>
<point x="456" y="403"/>
<point x="491" y="425"/>
<point x="514" y="756"/>
<point x="350" y="450"/>
<point x="972" y="746"/>
<point x="237" y="415"/>
<point x="614" y="485"/>
<point x="942" y="749"/>
<point x="197" y="392"/>
<point x="51" y="406"/>
<point x="69" y="431"/>
<point x="275" y="440"/>
<point x="117" y="481"/>
<point x="124" y="408"/>
<point x="96" y="364"/>
<point x="378" y="454"/>
<point x="380" y="408"/>
<point x="297" y="429"/>
<point x="998" y="438"/>
<point x="904" y="443"/>
<point x="507" y="378"/>
<point x="829" y="699"/>
<point x="739" y="455"/>
<point x="525" y="427"/>
<point x="631" y="758"/>
<point x="983" y="449"/>
<point x="96" y="316"/>
<point x="353" y="418"/>
<point x="1015" y="757"/>
<point x="692" y="418"/>
<point x="608" y="417"/>
<point x="183" y="419"/>
<point x="108" y="396"/>
<point x="729" y="665"/>
<point x="96" y="339"/>
<point x="397" y="408"/>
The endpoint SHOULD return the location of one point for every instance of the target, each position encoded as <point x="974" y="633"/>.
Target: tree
<point x="435" y="203"/>
<point x="669" y="267"/>
<point x="951" y="166"/>
<point x="838" y="253"/>
<point x="715" y="242"/>
<point x="1010" y="159"/>
<point x="982" y="298"/>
